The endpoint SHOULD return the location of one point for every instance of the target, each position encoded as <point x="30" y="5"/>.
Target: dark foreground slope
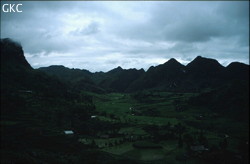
<point x="35" y="111"/>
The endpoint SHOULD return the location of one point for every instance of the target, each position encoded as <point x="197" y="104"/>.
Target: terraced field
<point x="156" y="120"/>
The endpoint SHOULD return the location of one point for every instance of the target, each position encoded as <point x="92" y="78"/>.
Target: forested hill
<point x="199" y="74"/>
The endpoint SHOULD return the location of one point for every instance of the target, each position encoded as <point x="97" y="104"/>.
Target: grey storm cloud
<point x="101" y="35"/>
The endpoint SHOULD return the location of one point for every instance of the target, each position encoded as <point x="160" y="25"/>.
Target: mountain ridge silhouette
<point x="200" y="73"/>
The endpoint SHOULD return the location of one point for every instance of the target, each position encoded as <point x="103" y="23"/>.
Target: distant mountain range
<point x="201" y="73"/>
<point x="171" y="76"/>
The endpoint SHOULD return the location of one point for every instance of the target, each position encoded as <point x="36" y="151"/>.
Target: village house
<point x="68" y="132"/>
<point x="93" y="116"/>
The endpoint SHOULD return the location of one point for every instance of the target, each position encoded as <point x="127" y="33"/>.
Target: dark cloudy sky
<point x="102" y="35"/>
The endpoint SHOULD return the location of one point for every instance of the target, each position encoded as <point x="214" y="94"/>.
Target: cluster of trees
<point x="230" y="100"/>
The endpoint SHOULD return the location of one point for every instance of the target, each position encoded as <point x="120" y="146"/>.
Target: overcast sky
<point x="100" y="36"/>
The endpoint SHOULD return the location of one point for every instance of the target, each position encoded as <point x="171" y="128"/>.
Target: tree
<point x="224" y="143"/>
<point x="110" y="144"/>
<point x="180" y="142"/>
<point x="188" y="140"/>
<point x="116" y="142"/>
<point x="179" y="129"/>
<point x="202" y="139"/>
<point x="93" y="144"/>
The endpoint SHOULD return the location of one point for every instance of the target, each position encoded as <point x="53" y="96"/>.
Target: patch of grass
<point x="146" y="145"/>
<point x="132" y="130"/>
<point x="119" y="149"/>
